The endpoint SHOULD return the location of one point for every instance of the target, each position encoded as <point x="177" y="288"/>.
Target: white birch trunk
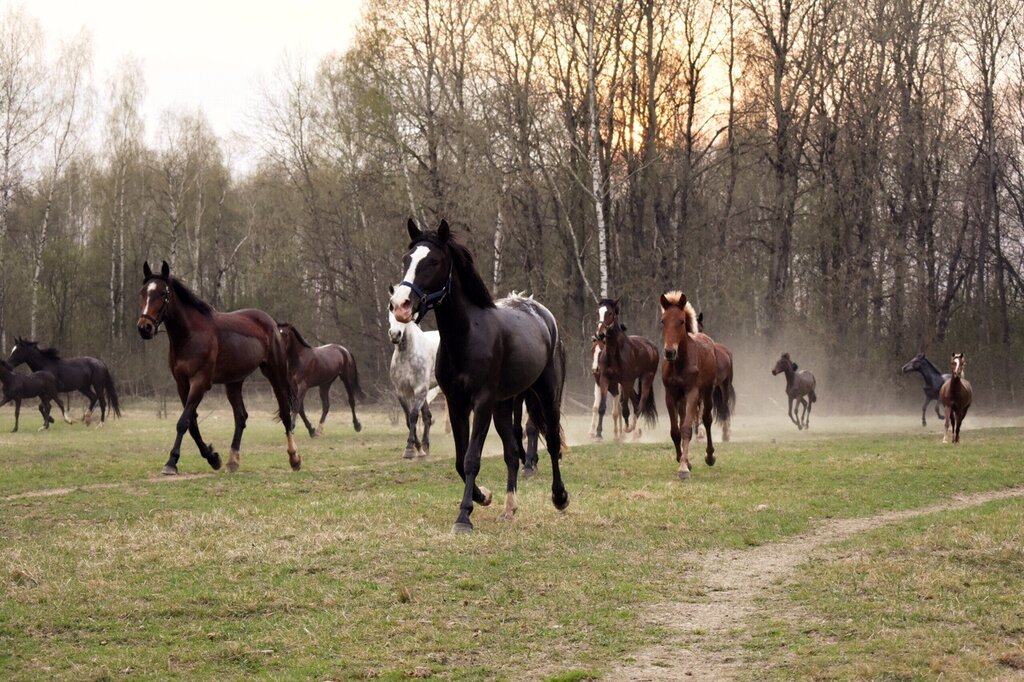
<point x="595" y="161"/>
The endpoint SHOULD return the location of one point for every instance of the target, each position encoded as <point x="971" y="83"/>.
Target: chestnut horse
<point x="800" y="386"/>
<point x="494" y="357"/>
<point x="627" y="360"/>
<point x="690" y="375"/>
<point x="723" y="378"/>
<point x="207" y="347"/>
<point x="956" y="396"/>
<point x="319" y="367"/>
<point x="601" y="390"/>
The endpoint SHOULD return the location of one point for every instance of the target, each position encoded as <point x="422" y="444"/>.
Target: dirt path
<point x="704" y="646"/>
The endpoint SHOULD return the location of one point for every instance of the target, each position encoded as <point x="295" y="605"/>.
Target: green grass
<point x="347" y="569"/>
<point x="940" y="595"/>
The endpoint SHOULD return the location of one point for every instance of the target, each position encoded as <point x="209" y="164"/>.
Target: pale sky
<point x="209" y="54"/>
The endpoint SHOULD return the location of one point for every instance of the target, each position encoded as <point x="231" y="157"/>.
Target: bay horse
<point x="493" y="358"/>
<point x="208" y="347"/>
<point x="318" y="368"/>
<point x="956" y="396"/>
<point x="933" y="381"/>
<point x="690" y="376"/>
<point x="412" y="375"/>
<point x="800" y="386"/>
<point x="18" y="387"/>
<point x="723" y="357"/>
<point x="88" y="376"/>
<point x="628" y="360"/>
<point x="601" y="390"/>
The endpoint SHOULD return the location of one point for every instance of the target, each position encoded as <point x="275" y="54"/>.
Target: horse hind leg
<point x="428" y="421"/>
<point x="44" y="410"/>
<point x="87" y="414"/>
<point x="17" y="414"/>
<point x="281" y="383"/>
<point x="924" y="411"/>
<point x="63" y="412"/>
<point x="706" y="417"/>
<point x="509" y="428"/>
<point x="544" y="407"/>
<point x="351" y="404"/>
<point x="325" y="408"/>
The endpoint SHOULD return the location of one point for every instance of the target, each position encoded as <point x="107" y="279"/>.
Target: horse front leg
<point x="690" y="412"/>
<point x="482" y="412"/>
<point x="63" y="412"/>
<point x="412" y="443"/>
<point x="17" y="414"/>
<point x="597" y="413"/>
<point x="672" y="407"/>
<point x="191" y="394"/>
<point x="351" y="403"/>
<point x="924" y="410"/>
<point x="428" y="421"/>
<point x="807" y="413"/>
<point x="790" y="413"/>
<point x="945" y="425"/>
<point x="300" y="408"/>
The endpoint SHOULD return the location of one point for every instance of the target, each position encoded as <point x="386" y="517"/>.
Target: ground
<point x="792" y="557"/>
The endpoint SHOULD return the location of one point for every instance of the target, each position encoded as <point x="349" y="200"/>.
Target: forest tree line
<point x="846" y="175"/>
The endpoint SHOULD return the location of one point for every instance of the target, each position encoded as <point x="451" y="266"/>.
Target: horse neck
<point x="929" y="371"/>
<point x="453" y="313"/>
<point x="412" y="339"/>
<point x="37" y="361"/>
<point x="180" y="321"/>
<point x="790" y="376"/>
<point x="614" y="341"/>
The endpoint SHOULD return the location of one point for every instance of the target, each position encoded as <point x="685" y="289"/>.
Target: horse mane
<point x="462" y="262"/>
<point x="50" y="353"/>
<point x="185" y="295"/>
<point x="675" y="297"/>
<point x="299" y="338"/>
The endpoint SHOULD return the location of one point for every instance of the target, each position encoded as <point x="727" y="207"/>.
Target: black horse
<point x="493" y="357"/>
<point x="88" y="376"/>
<point x="18" y="387"/>
<point x="933" y="380"/>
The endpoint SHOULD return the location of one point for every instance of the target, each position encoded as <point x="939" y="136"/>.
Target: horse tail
<point x="724" y="401"/>
<point x="649" y="410"/>
<point x="813" y="396"/>
<point x="538" y="415"/>
<point x="108" y="388"/>
<point x="352" y="376"/>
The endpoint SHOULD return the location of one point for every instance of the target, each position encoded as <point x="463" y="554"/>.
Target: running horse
<point x="18" y="387"/>
<point x="626" y="361"/>
<point x="800" y="386"/>
<point x="412" y="375"/>
<point x="956" y="396"/>
<point x="723" y="357"/>
<point x="318" y="368"/>
<point x="494" y="357"/>
<point x="690" y="375"/>
<point x="208" y="347"/>
<point x="88" y="376"/>
<point x="933" y="381"/>
<point x="601" y="390"/>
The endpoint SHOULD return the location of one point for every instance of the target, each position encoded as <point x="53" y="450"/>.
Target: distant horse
<point x="319" y="367"/>
<point x="956" y="396"/>
<point x="690" y="375"/>
<point x="88" y="376"/>
<point x="18" y="387"/>
<point x="208" y="347"/>
<point x="626" y="361"/>
<point x="494" y="356"/>
<point x="412" y="374"/>
<point x="800" y="387"/>
<point x="933" y="380"/>
<point x="601" y="390"/>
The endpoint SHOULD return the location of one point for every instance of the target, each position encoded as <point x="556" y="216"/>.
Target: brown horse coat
<point x="690" y="374"/>
<point x="626" y="360"/>
<point x="956" y="396"/>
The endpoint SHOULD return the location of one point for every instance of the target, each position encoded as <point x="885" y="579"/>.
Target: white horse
<point x="412" y="373"/>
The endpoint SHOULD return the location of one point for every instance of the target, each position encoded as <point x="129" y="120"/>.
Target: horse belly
<point x="238" y="356"/>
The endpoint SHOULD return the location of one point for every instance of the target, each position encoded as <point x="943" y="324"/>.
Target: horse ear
<point x="623" y="326"/>
<point x="414" y="232"/>
<point x="443" y="231"/>
<point x="391" y="289"/>
<point x="165" y="270"/>
<point x="795" y="366"/>
<point x="615" y="303"/>
<point x="700" y="317"/>
<point x="147" y="271"/>
<point x="665" y="303"/>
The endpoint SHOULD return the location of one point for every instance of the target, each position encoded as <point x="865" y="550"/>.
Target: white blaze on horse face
<point x="150" y="290"/>
<point x="402" y="291"/>
<point x="601" y="312"/>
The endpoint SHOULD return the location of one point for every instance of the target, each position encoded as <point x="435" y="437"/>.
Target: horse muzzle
<point x="671" y="354"/>
<point x="403" y="311"/>
<point x="147" y="330"/>
<point x="396" y="337"/>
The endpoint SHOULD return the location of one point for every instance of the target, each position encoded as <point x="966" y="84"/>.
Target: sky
<point x="208" y="54"/>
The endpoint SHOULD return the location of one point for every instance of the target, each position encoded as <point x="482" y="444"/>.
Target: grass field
<point x="348" y="570"/>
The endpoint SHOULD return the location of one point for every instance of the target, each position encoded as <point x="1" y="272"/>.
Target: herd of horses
<point x="492" y="359"/>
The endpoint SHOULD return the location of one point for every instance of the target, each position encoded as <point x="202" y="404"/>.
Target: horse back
<point x="246" y="339"/>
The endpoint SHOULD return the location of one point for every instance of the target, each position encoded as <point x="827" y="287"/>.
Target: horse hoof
<point x="528" y="472"/>
<point x="710" y="459"/>
<point x="215" y="461"/>
<point x="488" y="497"/>
<point x="561" y="502"/>
<point x="359" y="427"/>
<point x="423" y="452"/>
<point x="410" y="453"/>
<point x="461" y="528"/>
<point x="507" y="516"/>
<point x="296" y="464"/>
<point x="684" y="475"/>
<point x="313" y="434"/>
<point x="169" y="470"/>
<point x="232" y="466"/>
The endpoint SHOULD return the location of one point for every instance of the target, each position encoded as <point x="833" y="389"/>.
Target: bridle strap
<point x="163" y="312"/>
<point x="428" y="301"/>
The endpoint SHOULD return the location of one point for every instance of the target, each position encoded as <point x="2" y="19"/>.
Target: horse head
<point x="677" y="320"/>
<point x="784" y="365"/>
<point x="914" y="365"/>
<point x="428" y="274"/>
<point x="23" y="349"/>
<point x="154" y="299"/>
<point x="957" y="362"/>
<point x="607" y="317"/>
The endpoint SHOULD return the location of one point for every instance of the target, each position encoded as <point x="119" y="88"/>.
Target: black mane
<point x="298" y="337"/>
<point x="185" y="295"/>
<point x="462" y="262"/>
<point x="48" y="353"/>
